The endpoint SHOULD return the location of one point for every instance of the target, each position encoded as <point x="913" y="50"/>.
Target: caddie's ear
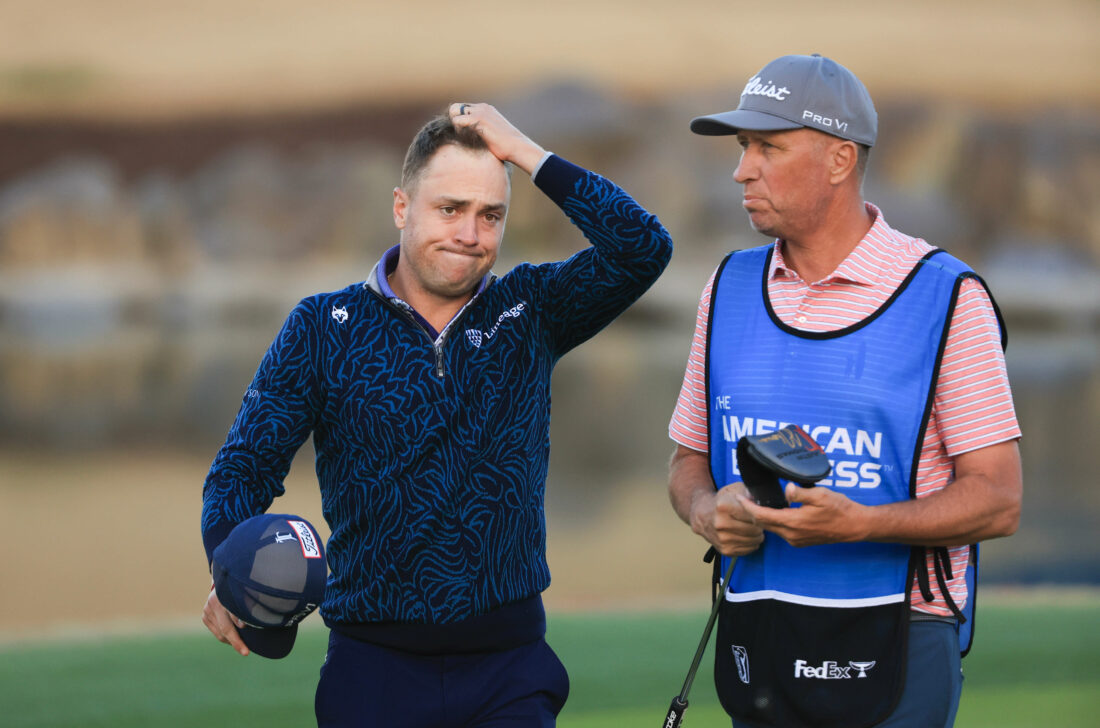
<point x="400" y="207"/>
<point x="843" y="158"/>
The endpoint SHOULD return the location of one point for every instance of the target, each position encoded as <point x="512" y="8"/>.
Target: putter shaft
<point x="706" y="635"/>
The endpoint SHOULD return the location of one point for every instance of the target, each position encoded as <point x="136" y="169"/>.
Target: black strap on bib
<point x="941" y="563"/>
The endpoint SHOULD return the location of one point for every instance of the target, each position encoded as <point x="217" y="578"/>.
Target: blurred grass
<point x="1030" y="665"/>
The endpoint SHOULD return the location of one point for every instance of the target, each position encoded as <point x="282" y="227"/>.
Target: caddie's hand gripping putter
<point x="788" y="453"/>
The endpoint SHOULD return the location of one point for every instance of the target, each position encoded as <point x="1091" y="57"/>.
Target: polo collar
<point x="849" y="271"/>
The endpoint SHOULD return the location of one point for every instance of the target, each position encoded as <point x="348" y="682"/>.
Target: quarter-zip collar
<point x="380" y="284"/>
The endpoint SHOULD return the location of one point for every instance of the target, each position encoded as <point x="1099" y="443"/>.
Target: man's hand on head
<point x="506" y="142"/>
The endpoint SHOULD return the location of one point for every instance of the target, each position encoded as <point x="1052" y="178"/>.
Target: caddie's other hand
<point x="723" y="520"/>
<point x="222" y="624"/>
<point x="818" y="516"/>
<point x="506" y="142"/>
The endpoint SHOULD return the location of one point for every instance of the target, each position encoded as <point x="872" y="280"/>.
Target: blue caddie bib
<point x="817" y="635"/>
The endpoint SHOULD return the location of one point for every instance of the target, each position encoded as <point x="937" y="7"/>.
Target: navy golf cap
<point x="793" y="92"/>
<point x="270" y="573"/>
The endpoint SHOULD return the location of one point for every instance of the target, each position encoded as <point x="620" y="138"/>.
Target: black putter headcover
<point x="788" y="453"/>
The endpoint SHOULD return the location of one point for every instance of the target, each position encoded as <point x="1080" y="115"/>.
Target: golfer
<point x="426" y="389"/>
<point x="852" y="607"/>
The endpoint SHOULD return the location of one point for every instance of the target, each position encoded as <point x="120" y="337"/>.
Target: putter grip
<point x="675" y="713"/>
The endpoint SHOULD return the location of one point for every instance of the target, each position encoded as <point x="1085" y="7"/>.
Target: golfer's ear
<point x="400" y="207"/>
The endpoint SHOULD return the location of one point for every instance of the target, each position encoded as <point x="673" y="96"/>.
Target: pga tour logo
<point x="741" y="659"/>
<point x="831" y="670"/>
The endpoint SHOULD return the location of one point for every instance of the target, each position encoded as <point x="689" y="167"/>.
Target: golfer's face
<point x="452" y="221"/>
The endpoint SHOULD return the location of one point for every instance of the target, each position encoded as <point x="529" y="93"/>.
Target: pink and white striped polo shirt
<point x="972" y="406"/>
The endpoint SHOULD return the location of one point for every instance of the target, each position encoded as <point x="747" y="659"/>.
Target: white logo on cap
<point x="755" y="88"/>
<point x="310" y="549"/>
<point x="828" y="122"/>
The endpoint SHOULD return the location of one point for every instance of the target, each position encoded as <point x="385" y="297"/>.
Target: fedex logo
<point x="831" y="670"/>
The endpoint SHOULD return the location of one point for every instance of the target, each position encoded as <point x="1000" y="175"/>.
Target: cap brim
<point x="731" y="122"/>
<point x="272" y="642"/>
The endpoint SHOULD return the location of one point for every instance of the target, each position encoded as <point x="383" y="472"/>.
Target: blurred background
<point x="174" y="177"/>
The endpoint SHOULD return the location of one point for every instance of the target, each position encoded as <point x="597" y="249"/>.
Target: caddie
<point x="426" y="389"/>
<point x="853" y="606"/>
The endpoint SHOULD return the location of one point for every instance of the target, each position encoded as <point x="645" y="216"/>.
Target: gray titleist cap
<point x="800" y="91"/>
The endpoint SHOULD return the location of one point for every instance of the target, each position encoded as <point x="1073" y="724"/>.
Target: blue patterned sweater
<point x="432" y="458"/>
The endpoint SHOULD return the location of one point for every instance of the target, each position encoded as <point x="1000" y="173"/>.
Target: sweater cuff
<point x="558" y="178"/>
<point x="542" y="161"/>
<point x="212" y="538"/>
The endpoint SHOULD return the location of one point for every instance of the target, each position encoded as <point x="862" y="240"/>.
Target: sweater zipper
<point x="446" y="334"/>
<point x="437" y="346"/>
<point x="438" y="357"/>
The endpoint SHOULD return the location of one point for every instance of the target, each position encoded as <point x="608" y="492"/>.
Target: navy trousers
<point x="933" y="679"/>
<point x="365" y="685"/>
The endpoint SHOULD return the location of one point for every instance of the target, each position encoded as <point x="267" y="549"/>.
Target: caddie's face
<point x="451" y="222"/>
<point x="786" y="180"/>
